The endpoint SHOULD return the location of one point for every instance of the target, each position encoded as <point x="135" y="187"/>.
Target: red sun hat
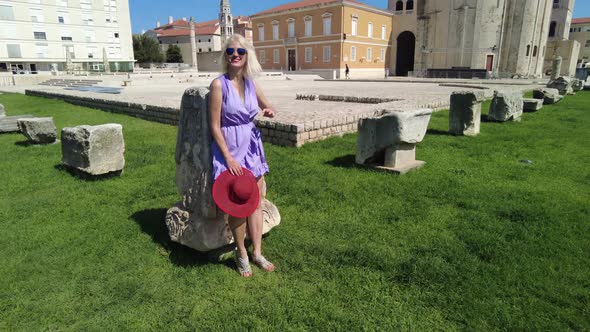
<point x="237" y="196"/>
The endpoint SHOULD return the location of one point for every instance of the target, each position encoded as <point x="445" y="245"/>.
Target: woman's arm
<point x="267" y="109"/>
<point x="215" y="101"/>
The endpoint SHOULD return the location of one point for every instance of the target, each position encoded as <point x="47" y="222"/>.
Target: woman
<point x="234" y="101"/>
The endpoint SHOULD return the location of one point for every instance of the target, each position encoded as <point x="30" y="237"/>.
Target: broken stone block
<point x="549" y="96"/>
<point x="2" y="112"/>
<point x="195" y="221"/>
<point x="95" y="150"/>
<point x="38" y="130"/>
<point x="531" y="104"/>
<point x="506" y="106"/>
<point x="465" y="112"/>
<point x="563" y="84"/>
<point x="388" y="139"/>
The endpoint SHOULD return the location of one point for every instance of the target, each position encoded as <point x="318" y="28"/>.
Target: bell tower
<point x="226" y="21"/>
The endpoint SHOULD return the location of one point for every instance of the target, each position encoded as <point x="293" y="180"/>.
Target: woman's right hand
<point x="234" y="167"/>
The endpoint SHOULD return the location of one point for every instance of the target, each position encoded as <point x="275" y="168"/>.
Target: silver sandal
<point x="243" y="265"/>
<point x="263" y="263"/>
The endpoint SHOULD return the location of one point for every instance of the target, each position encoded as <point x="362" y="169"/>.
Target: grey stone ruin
<point x="549" y="96"/>
<point x="195" y="221"/>
<point x="38" y="130"/>
<point x="556" y="67"/>
<point x="2" y="112"/>
<point x="465" y="112"/>
<point x="387" y="141"/>
<point x="563" y="84"/>
<point x="577" y="85"/>
<point x="94" y="150"/>
<point x="506" y="106"/>
<point x="532" y="104"/>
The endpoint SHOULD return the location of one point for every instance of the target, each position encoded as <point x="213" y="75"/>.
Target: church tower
<point x="226" y="21"/>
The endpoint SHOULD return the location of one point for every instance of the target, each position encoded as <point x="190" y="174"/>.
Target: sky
<point x="145" y="13"/>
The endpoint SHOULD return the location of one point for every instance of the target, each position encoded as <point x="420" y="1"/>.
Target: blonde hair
<point x="252" y="65"/>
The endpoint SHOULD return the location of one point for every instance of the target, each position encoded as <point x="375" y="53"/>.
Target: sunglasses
<point x="231" y="50"/>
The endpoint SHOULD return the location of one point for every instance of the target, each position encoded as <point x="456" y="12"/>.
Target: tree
<point x="173" y="54"/>
<point x="147" y="49"/>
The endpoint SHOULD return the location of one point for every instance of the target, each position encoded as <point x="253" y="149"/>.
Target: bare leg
<point x="238" y="229"/>
<point x="255" y="229"/>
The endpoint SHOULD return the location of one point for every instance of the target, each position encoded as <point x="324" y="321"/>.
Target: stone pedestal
<point x="38" y="130"/>
<point x="94" y="150"/>
<point x="195" y="221"/>
<point x="531" y="104"/>
<point x="465" y="112"/>
<point x="506" y="106"/>
<point x="549" y="96"/>
<point x="387" y="141"/>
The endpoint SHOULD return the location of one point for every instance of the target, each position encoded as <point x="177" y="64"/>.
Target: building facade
<point x="580" y="32"/>
<point x="324" y="35"/>
<point x="500" y="37"/>
<point x="65" y="35"/>
<point x="559" y="43"/>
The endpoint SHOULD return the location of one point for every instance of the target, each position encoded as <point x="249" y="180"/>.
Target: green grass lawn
<point x="475" y="240"/>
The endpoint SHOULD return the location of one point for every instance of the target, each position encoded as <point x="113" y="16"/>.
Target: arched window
<point x="528" y="50"/>
<point x="399" y="5"/>
<point x="552" y="28"/>
<point x="410" y="5"/>
<point x="535" y="50"/>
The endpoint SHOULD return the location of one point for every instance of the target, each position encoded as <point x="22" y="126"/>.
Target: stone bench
<point x="94" y="150"/>
<point x="387" y="141"/>
<point x="38" y="130"/>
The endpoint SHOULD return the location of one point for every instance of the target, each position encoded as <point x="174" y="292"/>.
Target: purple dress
<point x="241" y="136"/>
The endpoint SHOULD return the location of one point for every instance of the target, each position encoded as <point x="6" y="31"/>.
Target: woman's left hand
<point x="269" y="113"/>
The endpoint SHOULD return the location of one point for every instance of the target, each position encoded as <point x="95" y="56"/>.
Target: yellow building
<point x="324" y="35"/>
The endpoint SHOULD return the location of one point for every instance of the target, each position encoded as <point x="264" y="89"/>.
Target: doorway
<point x="406" y="46"/>
<point x="292" y="60"/>
<point x="490" y="62"/>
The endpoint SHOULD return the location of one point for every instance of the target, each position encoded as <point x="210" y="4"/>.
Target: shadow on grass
<point x="152" y="222"/>
<point x="347" y="161"/>
<point x="85" y="176"/>
<point x="438" y="132"/>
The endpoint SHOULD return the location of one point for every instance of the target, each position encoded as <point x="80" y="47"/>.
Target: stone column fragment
<point x="465" y="112"/>
<point x="196" y="221"/>
<point x="388" y="139"/>
<point x="506" y="106"/>
<point x="549" y="96"/>
<point x="2" y="112"/>
<point x="556" y="67"/>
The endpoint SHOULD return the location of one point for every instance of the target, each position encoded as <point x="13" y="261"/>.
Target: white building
<point x="36" y="35"/>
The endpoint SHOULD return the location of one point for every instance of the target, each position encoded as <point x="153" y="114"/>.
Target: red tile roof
<point x="298" y="4"/>
<point x="581" y="20"/>
<point x="177" y="23"/>
<point x="207" y="30"/>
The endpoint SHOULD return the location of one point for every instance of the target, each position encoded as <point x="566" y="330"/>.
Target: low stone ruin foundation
<point x="38" y="130"/>
<point x="506" y="106"/>
<point x="465" y="112"/>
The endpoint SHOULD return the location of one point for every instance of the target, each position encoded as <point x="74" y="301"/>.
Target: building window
<point x="291" y="28"/>
<point x="13" y="50"/>
<point x="308" y="54"/>
<point x="370" y="29"/>
<point x="275" y="56"/>
<point x="369" y="54"/>
<point x="40" y="35"/>
<point x="64" y="38"/>
<point x="60" y="19"/>
<point x="327" y="19"/>
<point x="308" y="25"/>
<point x="260" y="32"/>
<point x="535" y="49"/>
<point x="327" y="53"/>
<point x="92" y="51"/>
<point x="587" y="44"/>
<point x="383" y="32"/>
<point x="116" y="35"/>
<point x="552" y="28"/>
<point x="353" y="53"/>
<point x="399" y="6"/>
<point x="410" y="5"/>
<point x="275" y="30"/>
<point x="528" y="50"/>
<point x="6" y="13"/>
<point x="355" y="23"/>
<point x="262" y="56"/>
<point x="36" y="15"/>
<point x="382" y="57"/>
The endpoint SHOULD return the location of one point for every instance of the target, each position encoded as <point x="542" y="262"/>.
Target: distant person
<point x="234" y="101"/>
<point x="347" y="71"/>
